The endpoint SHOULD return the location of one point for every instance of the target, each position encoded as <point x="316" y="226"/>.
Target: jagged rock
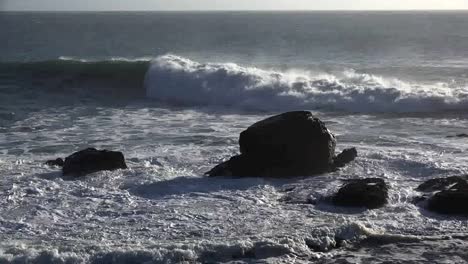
<point x="57" y="162"/>
<point x="370" y="193"/>
<point x="289" y="144"/>
<point x="345" y="157"/>
<point x="91" y="160"/>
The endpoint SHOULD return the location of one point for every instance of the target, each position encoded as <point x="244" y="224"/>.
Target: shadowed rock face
<point x="370" y="193"/>
<point x="289" y="144"/>
<point x="294" y="139"/>
<point x="450" y="197"/>
<point x="91" y="160"/>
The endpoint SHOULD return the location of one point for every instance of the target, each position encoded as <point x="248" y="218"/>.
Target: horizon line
<point x="248" y="10"/>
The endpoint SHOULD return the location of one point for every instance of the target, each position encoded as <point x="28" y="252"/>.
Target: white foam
<point x="180" y="80"/>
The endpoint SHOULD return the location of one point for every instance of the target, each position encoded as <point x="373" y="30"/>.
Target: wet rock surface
<point x="371" y="193"/>
<point x="345" y="157"/>
<point x="449" y="195"/>
<point x="290" y="144"/>
<point x="92" y="160"/>
<point x="440" y="184"/>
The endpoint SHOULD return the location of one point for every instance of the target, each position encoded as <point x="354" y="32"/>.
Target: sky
<point x="118" y="5"/>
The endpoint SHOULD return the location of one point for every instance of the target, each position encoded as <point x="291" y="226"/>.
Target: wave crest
<point x="180" y="80"/>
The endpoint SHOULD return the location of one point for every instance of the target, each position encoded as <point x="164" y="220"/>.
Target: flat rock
<point x="370" y="193"/>
<point x="92" y="160"/>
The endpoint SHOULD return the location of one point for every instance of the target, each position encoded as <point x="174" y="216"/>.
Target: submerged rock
<point x="450" y="195"/>
<point x="370" y="193"/>
<point x="289" y="144"/>
<point x="57" y="162"/>
<point x="92" y="160"/>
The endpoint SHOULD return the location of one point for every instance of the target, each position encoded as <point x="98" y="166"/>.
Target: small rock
<point x="370" y="193"/>
<point x="450" y="195"/>
<point x="441" y="184"/>
<point x="91" y="160"/>
<point x="452" y="201"/>
<point x="57" y="162"/>
<point x="345" y="157"/>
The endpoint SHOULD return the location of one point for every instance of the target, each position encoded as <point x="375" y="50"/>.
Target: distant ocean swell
<point x="68" y="74"/>
<point x="177" y="80"/>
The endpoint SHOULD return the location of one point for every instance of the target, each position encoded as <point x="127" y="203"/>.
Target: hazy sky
<point x="230" y="4"/>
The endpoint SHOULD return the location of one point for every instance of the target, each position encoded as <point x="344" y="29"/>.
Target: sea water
<point x="173" y="90"/>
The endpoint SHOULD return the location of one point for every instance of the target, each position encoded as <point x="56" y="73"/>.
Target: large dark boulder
<point x="450" y="195"/>
<point x="289" y="144"/>
<point x="92" y="160"/>
<point x="293" y="138"/>
<point x="370" y="193"/>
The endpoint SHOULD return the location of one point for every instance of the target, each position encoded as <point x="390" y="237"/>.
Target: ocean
<point x="173" y="90"/>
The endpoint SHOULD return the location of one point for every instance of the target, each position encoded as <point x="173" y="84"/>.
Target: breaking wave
<point x="172" y="79"/>
<point x="183" y="81"/>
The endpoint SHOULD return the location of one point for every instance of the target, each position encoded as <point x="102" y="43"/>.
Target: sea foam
<point x="183" y="81"/>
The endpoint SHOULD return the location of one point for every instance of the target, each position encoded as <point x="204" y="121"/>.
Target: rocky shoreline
<point x="289" y="145"/>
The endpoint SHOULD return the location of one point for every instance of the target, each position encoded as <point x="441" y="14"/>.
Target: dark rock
<point x="57" y="162"/>
<point x="441" y="184"/>
<point x="236" y="166"/>
<point x="370" y="193"/>
<point x="450" y="195"/>
<point x="91" y="160"/>
<point x="452" y="201"/>
<point x="345" y="157"/>
<point x="293" y="138"/>
<point x="289" y="144"/>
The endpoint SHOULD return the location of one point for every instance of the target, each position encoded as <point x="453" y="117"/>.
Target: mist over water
<point x="172" y="91"/>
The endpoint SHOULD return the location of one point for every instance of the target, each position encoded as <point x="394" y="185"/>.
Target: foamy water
<point x="162" y="209"/>
<point x="180" y="80"/>
<point x="173" y="91"/>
